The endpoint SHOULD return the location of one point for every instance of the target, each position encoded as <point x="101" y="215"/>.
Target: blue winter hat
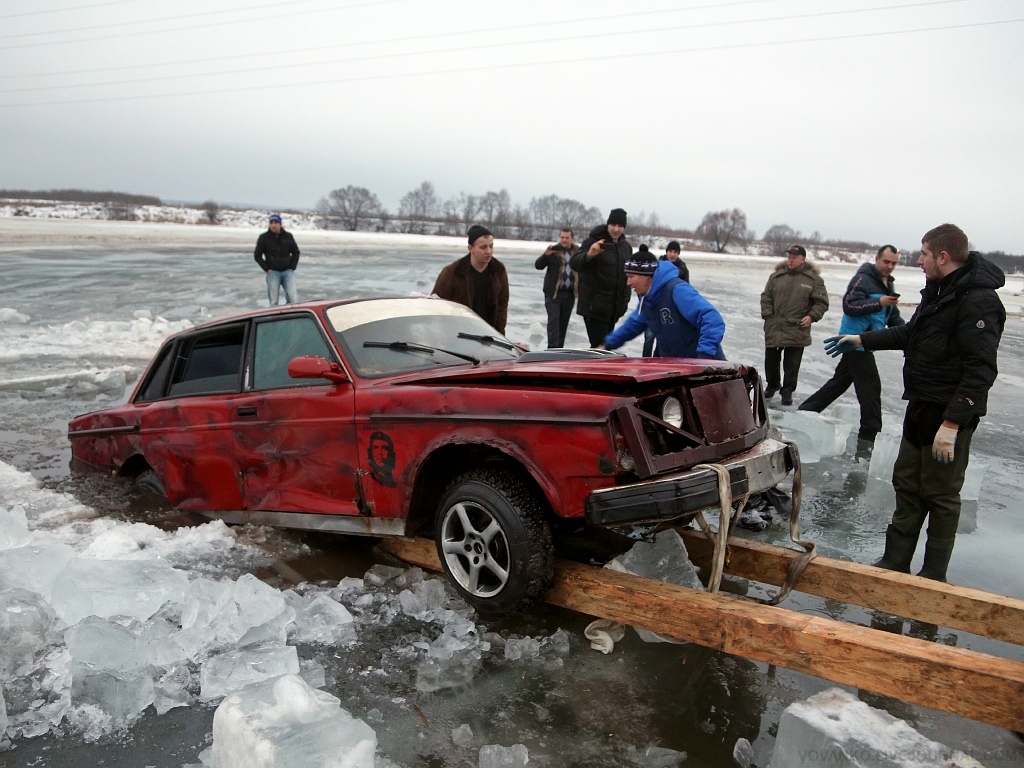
<point x="275" y="217"/>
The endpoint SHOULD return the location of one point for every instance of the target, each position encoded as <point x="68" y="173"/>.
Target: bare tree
<point x="718" y="228"/>
<point x="780" y="236"/>
<point x="418" y="207"/>
<point x="352" y="206"/>
<point x="212" y="212"/>
<point x="574" y="215"/>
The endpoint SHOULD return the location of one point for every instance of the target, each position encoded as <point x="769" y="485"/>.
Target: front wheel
<point x="493" y="541"/>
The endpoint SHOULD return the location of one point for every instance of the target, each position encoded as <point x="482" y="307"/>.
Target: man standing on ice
<point x="793" y="299"/>
<point x="949" y="349"/>
<point x="684" y="322"/>
<point x="869" y="304"/>
<point x="603" y="293"/>
<point x="278" y="255"/>
<point x="477" y="280"/>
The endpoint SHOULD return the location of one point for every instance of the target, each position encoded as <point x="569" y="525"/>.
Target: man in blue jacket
<point x="684" y="322"/>
<point x="869" y="304"/>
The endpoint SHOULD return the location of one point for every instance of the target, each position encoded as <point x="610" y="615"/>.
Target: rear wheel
<point x="494" y="542"/>
<point x="148" y="481"/>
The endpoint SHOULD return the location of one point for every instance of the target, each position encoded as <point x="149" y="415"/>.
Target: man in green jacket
<point x="793" y="299"/>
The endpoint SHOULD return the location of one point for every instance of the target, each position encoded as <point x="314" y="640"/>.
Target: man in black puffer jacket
<point x="278" y="256"/>
<point x="603" y="293"/>
<point x="950" y="347"/>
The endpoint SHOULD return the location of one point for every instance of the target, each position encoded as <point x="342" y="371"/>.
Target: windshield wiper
<point x="408" y="346"/>
<point x="488" y="340"/>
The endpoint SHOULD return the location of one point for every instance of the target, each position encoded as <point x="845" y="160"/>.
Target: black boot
<point x="899" y="551"/>
<point x="864" y="448"/>
<point x="787" y="397"/>
<point x="769" y="392"/>
<point x="936" y="560"/>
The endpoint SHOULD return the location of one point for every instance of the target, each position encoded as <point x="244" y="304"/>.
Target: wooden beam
<point x="968" y="683"/>
<point x="934" y="602"/>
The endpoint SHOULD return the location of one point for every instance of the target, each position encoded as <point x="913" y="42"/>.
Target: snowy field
<point x="86" y="303"/>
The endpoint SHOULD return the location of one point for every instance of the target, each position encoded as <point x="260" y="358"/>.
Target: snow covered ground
<point x="85" y="306"/>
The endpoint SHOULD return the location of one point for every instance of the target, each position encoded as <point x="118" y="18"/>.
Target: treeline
<point x="79" y="196"/>
<point x="422" y="211"/>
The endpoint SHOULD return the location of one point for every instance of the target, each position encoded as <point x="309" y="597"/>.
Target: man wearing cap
<point x="603" y="293"/>
<point x="278" y="256"/>
<point x="684" y="322"/>
<point x="869" y="304"/>
<point x="793" y="299"/>
<point x="559" y="286"/>
<point x="672" y="251"/>
<point x="477" y="280"/>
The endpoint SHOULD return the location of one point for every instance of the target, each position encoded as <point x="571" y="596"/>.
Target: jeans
<point x="278" y="279"/>
<point x="559" y="311"/>
<point x="859" y="369"/>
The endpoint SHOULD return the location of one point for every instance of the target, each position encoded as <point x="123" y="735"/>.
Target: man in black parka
<point x="603" y="293"/>
<point x="949" y="348"/>
<point x="278" y="256"/>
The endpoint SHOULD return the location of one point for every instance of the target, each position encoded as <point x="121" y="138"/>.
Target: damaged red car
<point x="412" y="416"/>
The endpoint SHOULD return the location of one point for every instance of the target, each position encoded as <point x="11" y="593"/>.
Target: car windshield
<point x="387" y="336"/>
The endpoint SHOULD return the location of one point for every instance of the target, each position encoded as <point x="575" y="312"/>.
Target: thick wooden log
<point x="934" y="602"/>
<point x="975" y="685"/>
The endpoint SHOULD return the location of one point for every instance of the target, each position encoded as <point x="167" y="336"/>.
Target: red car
<point x="398" y="416"/>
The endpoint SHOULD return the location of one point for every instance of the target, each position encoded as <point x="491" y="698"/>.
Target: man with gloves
<point x="950" y="347"/>
<point x="868" y="305"/>
<point x="684" y="322"/>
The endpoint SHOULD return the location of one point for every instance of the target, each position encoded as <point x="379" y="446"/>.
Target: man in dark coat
<point x="477" y="280"/>
<point x="869" y="304"/>
<point x="278" y="256"/>
<point x="949" y="349"/>
<point x="559" y="286"/>
<point x="603" y="293"/>
<point x="672" y="251"/>
<point x="793" y="298"/>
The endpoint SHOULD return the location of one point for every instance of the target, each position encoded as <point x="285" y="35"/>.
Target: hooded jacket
<point x="950" y="343"/>
<point x="788" y="297"/>
<point x="276" y="252"/>
<point x="862" y="311"/>
<point x="603" y="293"/>
<point x="684" y="322"/>
<point x="455" y="283"/>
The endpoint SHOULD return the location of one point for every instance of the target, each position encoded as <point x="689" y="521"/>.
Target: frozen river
<point x="81" y="315"/>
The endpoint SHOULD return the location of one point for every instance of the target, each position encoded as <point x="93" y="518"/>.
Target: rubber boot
<point x="936" y="560"/>
<point x="864" y="448"/>
<point x="899" y="551"/>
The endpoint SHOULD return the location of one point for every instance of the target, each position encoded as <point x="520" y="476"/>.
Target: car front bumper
<point x="665" y="498"/>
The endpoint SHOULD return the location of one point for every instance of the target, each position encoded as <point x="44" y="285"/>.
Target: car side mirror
<point x="314" y="367"/>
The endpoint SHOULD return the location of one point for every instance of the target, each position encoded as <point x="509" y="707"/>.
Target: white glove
<point x="942" y="445"/>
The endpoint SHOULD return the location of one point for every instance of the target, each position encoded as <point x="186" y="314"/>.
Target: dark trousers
<point x="559" y="311"/>
<point x="649" y="340"/>
<point x="926" y="489"/>
<point x="790" y="358"/>
<point x="859" y="369"/>
<point x="597" y="330"/>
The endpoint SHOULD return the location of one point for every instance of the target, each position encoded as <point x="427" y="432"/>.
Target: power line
<point x="514" y="65"/>
<point x="136" y="33"/>
<point x="411" y="38"/>
<point x="64" y="10"/>
<point x="463" y="49"/>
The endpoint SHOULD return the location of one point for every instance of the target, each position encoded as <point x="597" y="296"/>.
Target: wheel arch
<point x="134" y="466"/>
<point x="447" y="462"/>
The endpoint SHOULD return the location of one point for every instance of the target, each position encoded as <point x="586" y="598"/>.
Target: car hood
<point x="608" y="371"/>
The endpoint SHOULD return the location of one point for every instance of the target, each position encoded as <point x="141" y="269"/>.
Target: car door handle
<point x="246" y="410"/>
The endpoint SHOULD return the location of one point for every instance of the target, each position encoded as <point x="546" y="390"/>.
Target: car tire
<point x="493" y="541"/>
<point x="149" y="482"/>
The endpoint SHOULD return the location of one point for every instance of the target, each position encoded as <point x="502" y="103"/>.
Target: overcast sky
<point x="862" y="119"/>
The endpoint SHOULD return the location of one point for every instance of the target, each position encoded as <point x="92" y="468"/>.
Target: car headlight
<point x="672" y="412"/>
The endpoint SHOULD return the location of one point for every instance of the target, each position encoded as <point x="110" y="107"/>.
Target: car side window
<point x="278" y="342"/>
<point x="154" y="387"/>
<point x="209" y="363"/>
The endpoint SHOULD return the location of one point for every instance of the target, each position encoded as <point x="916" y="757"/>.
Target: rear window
<point x="209" y="363"/>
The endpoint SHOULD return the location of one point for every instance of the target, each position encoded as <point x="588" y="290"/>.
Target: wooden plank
<point x="967" y="683"/>
<point x="947" y="605"/>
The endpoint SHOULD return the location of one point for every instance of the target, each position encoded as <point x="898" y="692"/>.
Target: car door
<point x="186" y="417"/>
<point x="294" y="438"/>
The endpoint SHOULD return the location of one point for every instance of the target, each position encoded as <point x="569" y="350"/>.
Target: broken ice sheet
<point x="497" y="756"/>
<point x="435" y="674"/>
<point x="319" y="619"/>
<point x="233" y="670"/>
<point x="116" y="588"/>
